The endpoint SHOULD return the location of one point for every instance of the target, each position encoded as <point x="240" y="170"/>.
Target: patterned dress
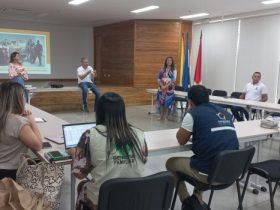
<point x="165" y="95"/>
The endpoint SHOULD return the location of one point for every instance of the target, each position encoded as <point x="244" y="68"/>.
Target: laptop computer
<point x="73" y="132"/>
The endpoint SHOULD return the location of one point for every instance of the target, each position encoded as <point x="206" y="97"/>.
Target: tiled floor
<point x="222" y="200"/>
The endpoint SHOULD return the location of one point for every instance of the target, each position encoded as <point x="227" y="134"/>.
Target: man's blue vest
<point x="213" y="132"/>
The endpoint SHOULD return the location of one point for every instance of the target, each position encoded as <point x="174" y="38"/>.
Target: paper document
<point x="39" y="120"/>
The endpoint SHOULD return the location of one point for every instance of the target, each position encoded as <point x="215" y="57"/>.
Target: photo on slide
<point x="33" y="46"/>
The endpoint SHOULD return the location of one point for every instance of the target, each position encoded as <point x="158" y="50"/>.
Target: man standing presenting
<point x="212" y="132"/>
<point x="86" y="76"/>
<point x="254" y="91"/>
<point x="38" y="52"/>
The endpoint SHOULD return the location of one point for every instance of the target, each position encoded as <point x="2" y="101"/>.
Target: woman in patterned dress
<point x="166" y="86"/>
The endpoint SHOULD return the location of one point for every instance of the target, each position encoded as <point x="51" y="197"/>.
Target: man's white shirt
<point x="187" y="123"/>
<point x="82" y="71"/>
<point x="254" y="92"/>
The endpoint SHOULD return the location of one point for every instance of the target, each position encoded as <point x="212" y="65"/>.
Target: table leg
<point x="250" y="112"/>
<point x="73" y="186"/>
<point x="152" y="111"/>
<point x="29" y="96"/>
<point x="255" y="184"/>
<point x="262" y="114"/>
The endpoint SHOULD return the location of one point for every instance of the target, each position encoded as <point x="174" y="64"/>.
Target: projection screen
<point x="34" y="47"/>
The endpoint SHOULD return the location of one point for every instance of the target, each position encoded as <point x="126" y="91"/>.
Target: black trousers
<point x="8" y="173"/>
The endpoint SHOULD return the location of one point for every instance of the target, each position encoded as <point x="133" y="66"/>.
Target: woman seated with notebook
<point x="112" y="149"/>
<point x="18" y="129"/>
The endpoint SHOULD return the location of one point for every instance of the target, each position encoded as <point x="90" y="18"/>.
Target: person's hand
<point x="89" y="71"/>
<point x="26" y="113"/>
<point x="71" y="152"/>
<point x="78" y="174"/>
<point x="93" y="72"/>
<point x="18" y="71"/>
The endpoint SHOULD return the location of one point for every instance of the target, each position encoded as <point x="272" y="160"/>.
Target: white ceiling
<point x="99" y="12"/>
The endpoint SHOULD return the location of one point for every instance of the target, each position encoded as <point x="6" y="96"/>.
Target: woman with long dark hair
<point x="117" y="149"/>
<point x="18" y="129"/>
<point x="17" y="72"/>
<point x="166" y="86"/>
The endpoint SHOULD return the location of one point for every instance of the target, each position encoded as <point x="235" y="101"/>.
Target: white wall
<point x="218" y="53"/>
<point x="259" y="50"/>
<point x="68" y="45"/>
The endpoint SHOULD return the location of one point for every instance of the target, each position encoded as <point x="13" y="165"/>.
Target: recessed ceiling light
<point x="145" y="9"/>
<point x="271" y="2"/>
<point x="194" y="16"/>
<point x="77" y="2"/>
<point x="222" y="20"/>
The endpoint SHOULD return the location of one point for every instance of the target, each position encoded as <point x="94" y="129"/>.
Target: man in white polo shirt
<point x="86" y="76"/>
<point x="254" y="91"/>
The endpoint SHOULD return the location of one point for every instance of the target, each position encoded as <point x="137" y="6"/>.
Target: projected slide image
<point x="33" y="46"/>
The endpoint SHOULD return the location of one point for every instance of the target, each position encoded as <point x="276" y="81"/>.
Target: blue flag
<point x="186" y="72"/>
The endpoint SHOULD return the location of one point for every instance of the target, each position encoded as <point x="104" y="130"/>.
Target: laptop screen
<point x="73" y="132"/>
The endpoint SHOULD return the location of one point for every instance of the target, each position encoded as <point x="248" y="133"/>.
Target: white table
<point x="158" y="142"/>
<point x="267" y="106"/>
<point x="165" y="141"/>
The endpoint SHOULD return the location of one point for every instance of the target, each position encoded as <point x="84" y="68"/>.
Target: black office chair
<point x="146" y="193"/>
<point x="235" y="94"/>
<point x="209" y="91"/>
<point x="181" y="100"/>
<point x="270" y="170"/>
<point x="221" y="93"/>
<point x="228" y="167"/>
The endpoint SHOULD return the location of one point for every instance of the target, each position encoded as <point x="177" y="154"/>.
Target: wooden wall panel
<point x="154" y="41"/>
<point x="72" y="100"/>
<point x="113" y="56"/>
<point x="132" y="53"/>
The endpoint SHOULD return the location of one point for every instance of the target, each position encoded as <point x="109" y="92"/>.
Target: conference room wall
<point x="218" y="54"/>
<point x="68" y="44"/>
<point x="258" y="50"/>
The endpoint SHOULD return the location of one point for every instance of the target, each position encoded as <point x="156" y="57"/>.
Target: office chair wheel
<point x="263" y="189"/>
<point x="255" y="191"/>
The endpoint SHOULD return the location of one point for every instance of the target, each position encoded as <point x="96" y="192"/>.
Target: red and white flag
<point x="198" y="67"/>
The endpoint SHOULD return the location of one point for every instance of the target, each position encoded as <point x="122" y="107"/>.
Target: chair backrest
<point x="222" y="93"/>
<point x="179" y="88"/>
<point x="150" y="193"/>
<point x="230" y="165"/>
<point x="235" y="94"/>
<point x="209" y="91"/>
